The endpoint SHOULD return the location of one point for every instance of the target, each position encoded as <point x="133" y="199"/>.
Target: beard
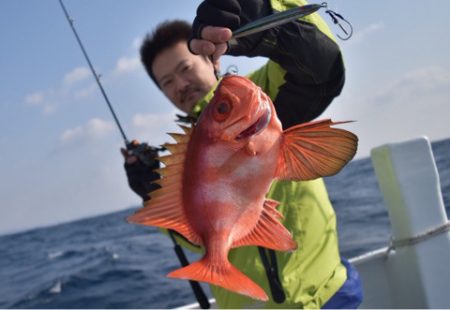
<point x="190" y="95"/>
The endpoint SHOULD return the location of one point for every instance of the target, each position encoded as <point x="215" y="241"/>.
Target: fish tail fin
<point x="225" y="275"/>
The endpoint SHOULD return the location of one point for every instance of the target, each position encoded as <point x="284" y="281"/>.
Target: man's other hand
<point x="217" y="19"/>
<point x="213" y="42"/>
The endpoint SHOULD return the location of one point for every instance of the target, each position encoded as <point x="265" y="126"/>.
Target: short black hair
<point x="165" y="35"/>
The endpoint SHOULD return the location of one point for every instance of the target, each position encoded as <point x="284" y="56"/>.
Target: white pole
<point x="417" y="265"/>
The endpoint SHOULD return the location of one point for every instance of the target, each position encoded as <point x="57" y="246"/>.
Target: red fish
<point x="215" y="180"/>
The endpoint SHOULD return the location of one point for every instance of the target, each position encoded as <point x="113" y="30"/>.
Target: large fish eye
<point x="222" y="110"/>
<point x="223" y="107"/>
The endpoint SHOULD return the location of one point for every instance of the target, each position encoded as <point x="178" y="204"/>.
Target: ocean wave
<point x="56" y="289"/>
<point x="103" y="262"/>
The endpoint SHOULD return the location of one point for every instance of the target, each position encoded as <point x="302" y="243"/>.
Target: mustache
<point x="187" y="91"/>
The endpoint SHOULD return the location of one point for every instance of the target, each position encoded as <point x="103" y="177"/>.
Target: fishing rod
<point x="96" y="76"/>
<point x="143" y="149"/>
<point x="140" y="151"/>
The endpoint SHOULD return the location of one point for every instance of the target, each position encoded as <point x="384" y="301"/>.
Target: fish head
<point x="238" y="111"/>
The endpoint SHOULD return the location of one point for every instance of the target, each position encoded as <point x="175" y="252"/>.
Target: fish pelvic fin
<point x="225" y="275"/>
<point x="269" y="232"/>
<point x="165" y="208"/>
<point x="314" y="150"/>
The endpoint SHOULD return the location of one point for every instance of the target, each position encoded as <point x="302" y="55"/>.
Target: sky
<point x="60" y="158"/>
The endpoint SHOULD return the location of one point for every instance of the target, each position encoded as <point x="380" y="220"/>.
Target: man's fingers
<point x="220" y="50"/>
<point x="202" y="47"/>
<point x="211" y="37"/>
<point x="216" y="34"/>
<point x="129" y="159"/>
<point x="213" y="42"/>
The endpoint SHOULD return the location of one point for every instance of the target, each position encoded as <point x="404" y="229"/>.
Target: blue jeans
<point x="350" y="294"/>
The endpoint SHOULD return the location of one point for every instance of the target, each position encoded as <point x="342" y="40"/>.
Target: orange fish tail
<point x="225" y="275"/>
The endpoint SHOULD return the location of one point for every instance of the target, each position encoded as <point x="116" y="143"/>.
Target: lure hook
<point x="336" y="17"/>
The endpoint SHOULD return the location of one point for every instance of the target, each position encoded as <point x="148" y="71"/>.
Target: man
<point x="304" y="73"/>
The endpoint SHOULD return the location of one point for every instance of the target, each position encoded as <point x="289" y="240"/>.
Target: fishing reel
<point x="147" y="154"/>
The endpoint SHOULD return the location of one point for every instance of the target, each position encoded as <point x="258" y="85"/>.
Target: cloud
<point x="416" y="104"/>
<point x="137" y="43"/>
<point x="35" y="98"/>
<point x="124" y="65"/>
<point x="428" y="84"/>
<point x="86" y="91"/>
<point x="42" y="99"/>
<point x="127" y="65"/>
<point x="153" y="128"/>
<point x="76" y="75"/>
<point x="49" y="100"/>
<point x="75" y="84"/>
<point x="362" y="34"/>
<point x="70" y="134"/>
<point x="151" y="121"/>
<point x="94" y="129"/>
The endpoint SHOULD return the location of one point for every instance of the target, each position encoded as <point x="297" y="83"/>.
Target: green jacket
<point x="302" y="78"/>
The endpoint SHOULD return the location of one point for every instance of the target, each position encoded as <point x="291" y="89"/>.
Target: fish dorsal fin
<point x="165" y="207"/>
<point x="269" y="232"/>
<point x="315" y="150"/>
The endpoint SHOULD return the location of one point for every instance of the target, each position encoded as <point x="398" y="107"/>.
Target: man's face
<point x="183" y="77"/>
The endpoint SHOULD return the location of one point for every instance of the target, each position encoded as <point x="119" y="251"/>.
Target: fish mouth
<point x="260" y="124"/>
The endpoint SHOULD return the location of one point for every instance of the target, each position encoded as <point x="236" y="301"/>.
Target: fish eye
<point x="223" y="107"/>
<point x="222" y="110"/>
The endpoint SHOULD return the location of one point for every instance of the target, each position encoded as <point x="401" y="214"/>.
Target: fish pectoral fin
<point x="167" y="215"/>
<point x="269" y="232"/>
<point x="314" y="150"/>
<point x="165" y="208"/>
<point x="224" y="275"/>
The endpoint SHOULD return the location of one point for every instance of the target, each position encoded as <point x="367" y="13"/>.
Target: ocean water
<point x="103" y="262"/>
